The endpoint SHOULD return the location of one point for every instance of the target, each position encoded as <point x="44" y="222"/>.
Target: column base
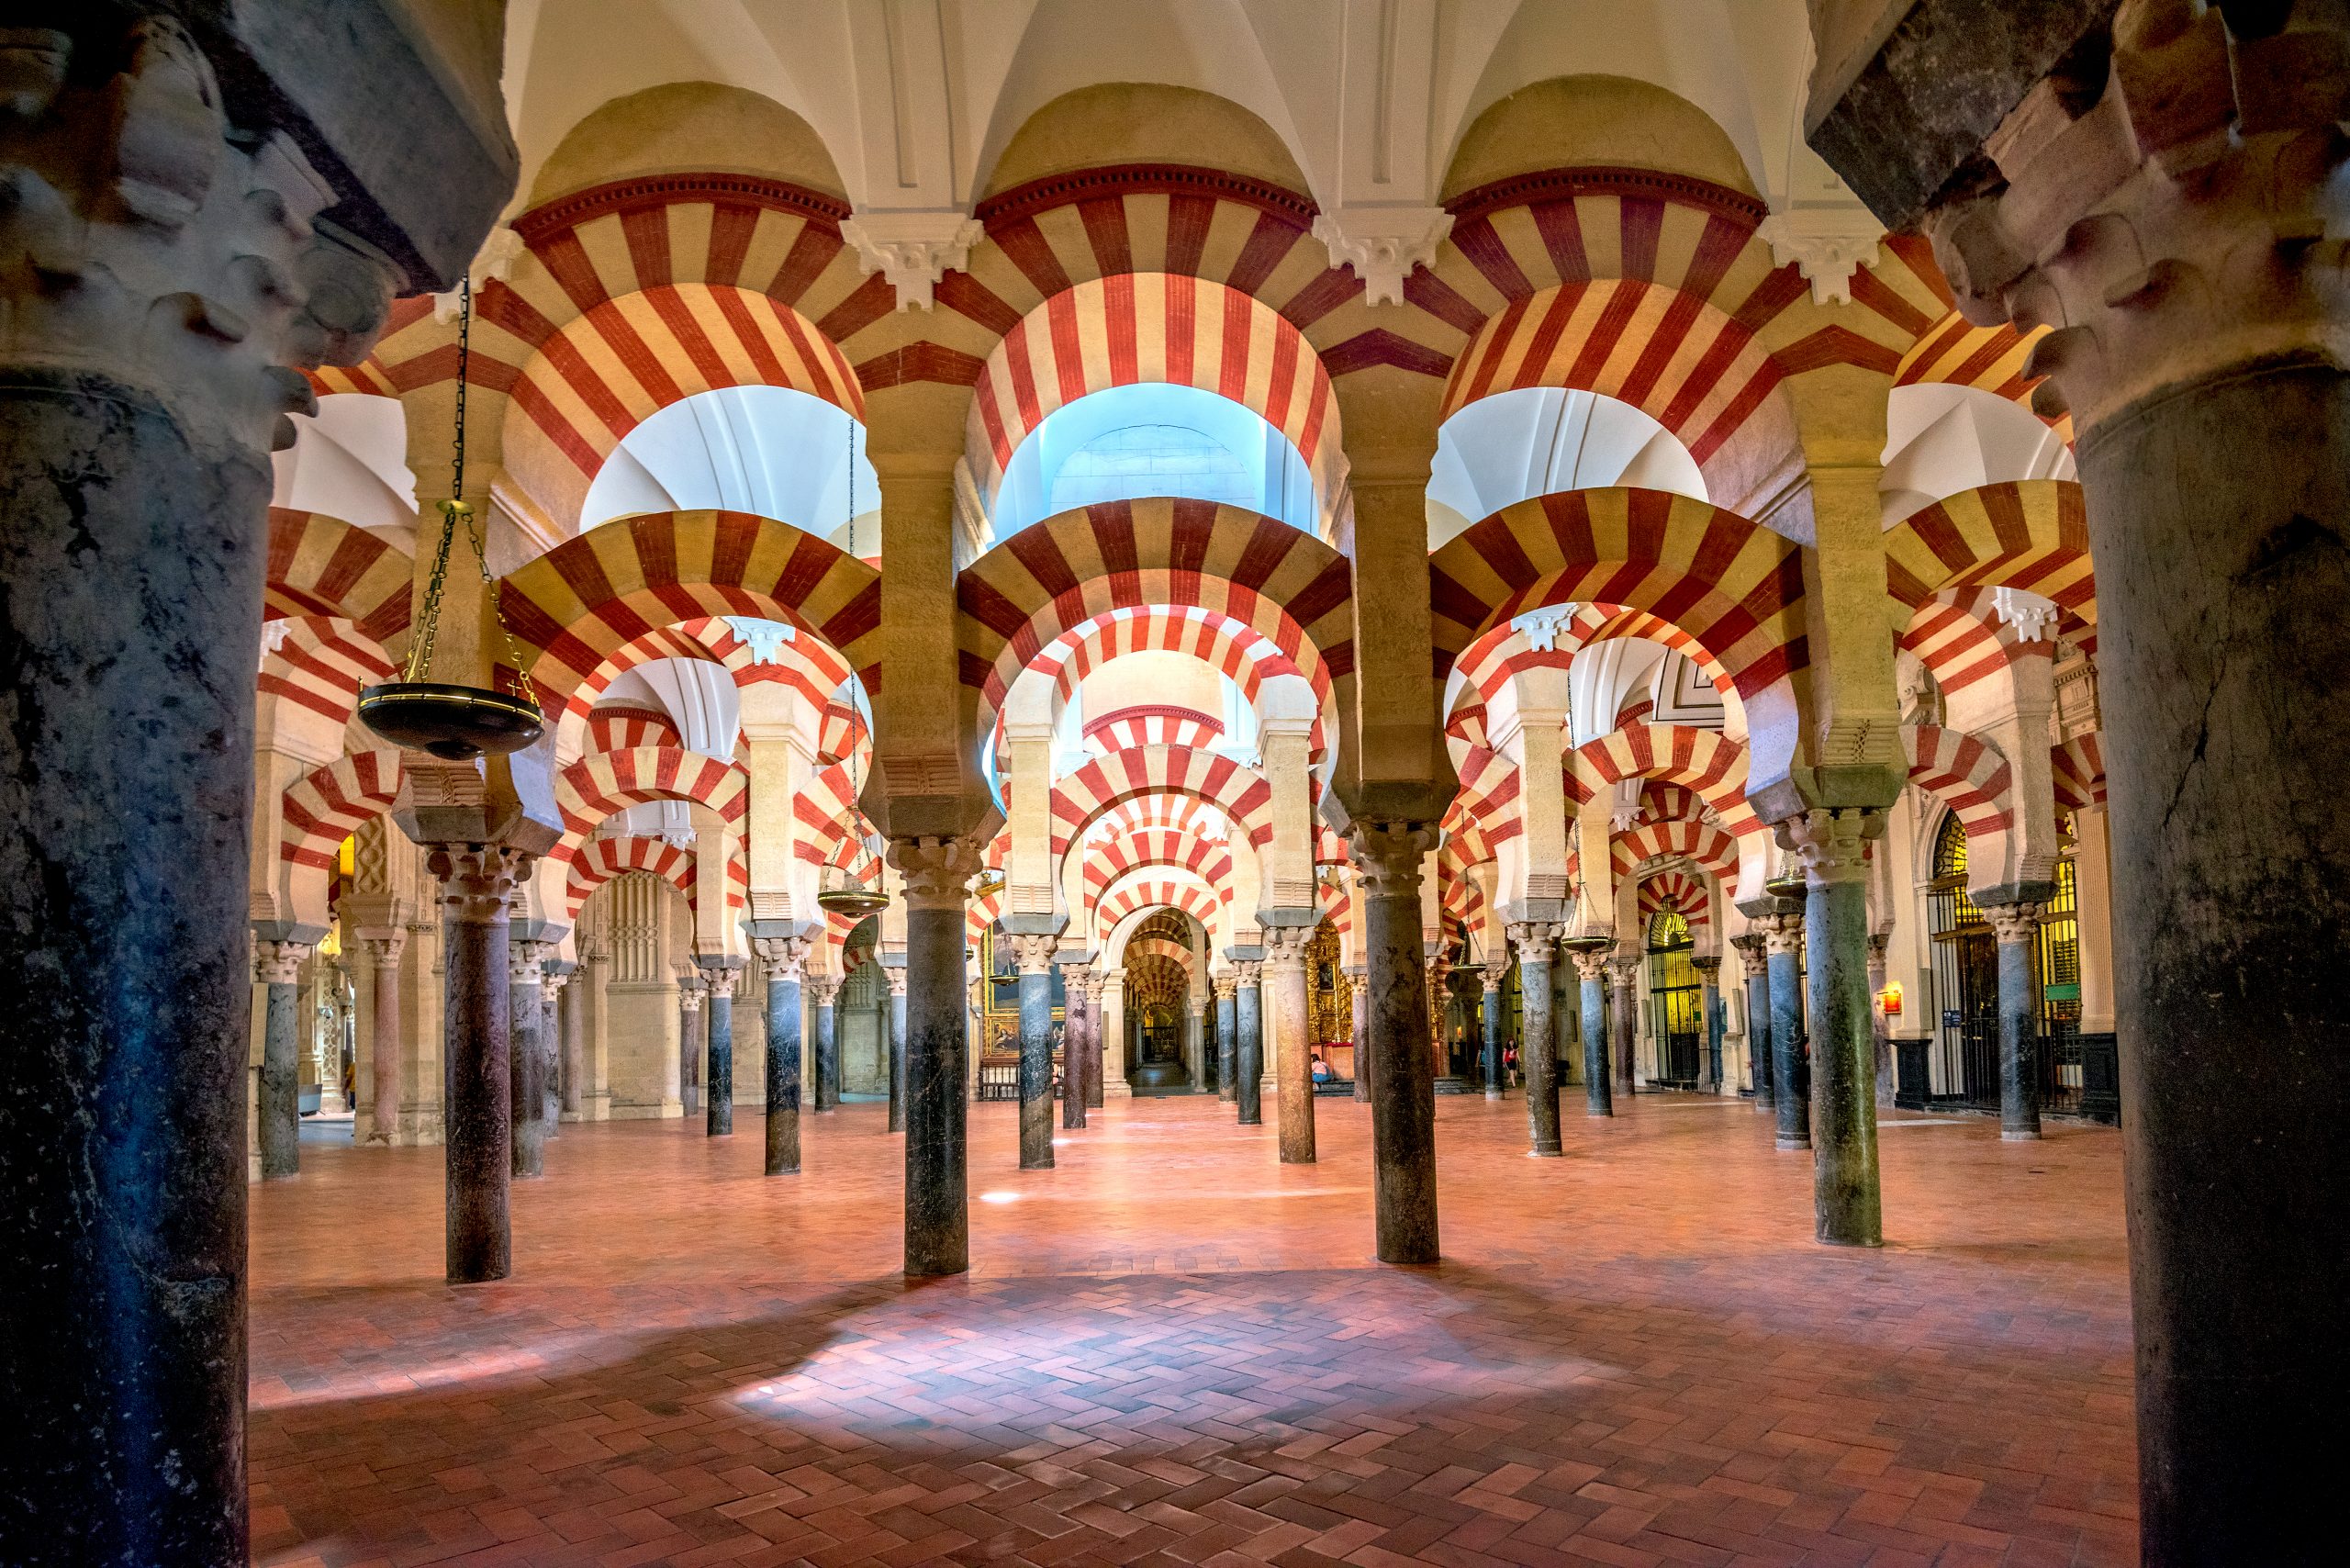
<point x="1546" y="1154"/>
<point x="1118" y="1091"/>
<point x="1793" y="1144"/>
<point x="2007" y="1136"/>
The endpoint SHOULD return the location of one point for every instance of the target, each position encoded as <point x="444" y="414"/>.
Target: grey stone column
<point x="1496" y="974"/>
<point x="1077" y="1046"/>
<point x="1097" y="1042"/>
<point x="1842" y="1110"/>
<point x="691" y="991"/>
<point x="2017" y="926"/>
<point x="1624" y="1024"/>
<point x="1709" y="996"/>
<point x="1598" y="1093"/>
<point x="1035" y="954"/>
<point x="477" y="1093"/>
<point x="1292" y="1064"/>
<point x="1359" y="997"/>
<point x="384" y="953"/>
<point x="575" y="1041"/>
<point x="1227" y="1038"/>
<point x="1538" y="1050"/>
<point x="1195" y="1043"/>
<point x="1878" y="1031"/>
<point x="278" y="967"/>
<point x="896" y="974"/>
<point x="721" y="974"/>
<point x="824" y="995"/>
<point x="1388" y="858"/>
<point x="785" y="960"/>
<point x="938" y="1214"/>
<point x="1790" y="1074"/>
<point x="1755" y="964"/>
<point x="1247" y="1016"/>
<point x="526" y="1090"/>
<point x="558" y="980"/>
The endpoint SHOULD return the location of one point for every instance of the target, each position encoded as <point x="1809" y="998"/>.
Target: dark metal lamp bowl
<point x="858" y="901"/>
<point x="458" y="722"/>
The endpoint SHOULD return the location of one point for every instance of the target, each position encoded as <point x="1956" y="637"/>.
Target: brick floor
<point x="1173" y="1350"/>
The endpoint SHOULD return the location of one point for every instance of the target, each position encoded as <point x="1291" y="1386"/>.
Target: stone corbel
<point x="1827" y="244"/>
<point x="912" y="250"/>
<point x="1382" y="244"/>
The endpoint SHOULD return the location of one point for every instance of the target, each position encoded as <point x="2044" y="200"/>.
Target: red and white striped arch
<point x="1153" y="724"/>
<point x="320" y="663"/>
<point x="603" y="783"/>
<point x="1700" y="844"/>
<point x="1734" y="587"/>
<point x="1057" y="574"/>
<point x="583" y="601"/>
<point x="600" y="859"/>
<point x="1959" y="637"/>
<point x="1134" y="328"/>
<point x="1108" y="858"/>
<point x="1156" y="888"/>
<point x="1953" y="351"/>
<point x="2079" y="768"/>
<point x="1493" y="659"/>
<point x="1233" y="648"/>
<point x="2025" y="534"/>
<point x="1699" y="761"/>
<point x="627" y="729"/>
<point x="1697" y="371"/>
<point x="597" y="378"/>
<point x="1676" y="890"/>
<point x="329" y="803"/>
<point x="1488" y="795"/>
<point x="1966" y="774"/>
<point x="320" y="565"/>
<point x="1081" y="797"/>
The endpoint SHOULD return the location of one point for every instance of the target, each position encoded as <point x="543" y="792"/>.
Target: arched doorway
<point x="1676" y="1006"/>
<point x="1966" y="982"/>
<point x="2057" y="961"/>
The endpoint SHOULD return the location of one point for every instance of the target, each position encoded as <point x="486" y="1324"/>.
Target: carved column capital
<point x="477" y="880"/>
<point x="896" y="975"/>
<point x="721" y="975"/>
<point x="525" y="961"/>
<point x="1782" y="933"/>
<point x="2176" y="227"/>
<point x="1878" y="943"/>
<point x="1388" y="855"/>
<point x="1591" y="963"/>
<point x="824" y="988"/>
<point x="1833" y="842"/>
<point x="2012" y="923"/>
<point x="280" y="963"/>
<point x="783" y="957"/>
<point x="1753" y="960"/>
<point x="692" y="988"/>
<point x="1227" y="986"/>
<point x="1248" y="973"/>
<point x="384" y="949"/>
<point x="1536" y="940"/>
<point x="1285" y="947"/>
<point x="1709" y="967"/>
<point x="1496" y="970"/>
<point x="1034" y="952"/>
<point x="936" y="871"/>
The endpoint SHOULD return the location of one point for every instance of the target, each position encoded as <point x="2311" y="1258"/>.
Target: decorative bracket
<point x="1382" y="244"/>
<point x="912" y="250"/>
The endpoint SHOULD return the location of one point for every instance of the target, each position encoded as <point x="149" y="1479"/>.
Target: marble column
<point x="555" y="986"/>
<point x="1880" y="1033"/>
<point x="1710" y="1015"/>
<point x="1537" y="1058"/>
<point x="1034" y="952"/>
<point x="384" y="954"/>
<point x="1247" y="1018"/>
<point x="937" y="1216"/>
<point x="1359" y="1000"/>
<point x="278" y="967"/>
<point x="526" y="1090"/>
<point x="1790" y="1072"/>
<point x="1624" y="1023"/>
<point x="722" y="975"/>
<point x="2016" y="927"/>
<point x="1110" y="1046"/>
<point x="1754" y="962"/>
<point x="1195" y="1041"/>
<point x="1292" y="1045"/>
<point x="896" y="975"/>
<point x="575" y="1003"/>
<point x="1097" y="1042"/>
<point x="1227" y="1038"/>
<point x="477" y="1095"/>
<point x="1077" y="1046"/>
<point x="1590" y="966"/>
<point x="1496" y="975"/>
<point x="1832" y="844"/>
<point x="691" y="992"/>
<point x="823" y="994"/>
<point x="785" y="959"/>
<point x="1388" y="858"/>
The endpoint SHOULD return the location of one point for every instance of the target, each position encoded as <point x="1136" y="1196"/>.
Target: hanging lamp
<point x="458" y="722"/>
<point x="854" y="894"/>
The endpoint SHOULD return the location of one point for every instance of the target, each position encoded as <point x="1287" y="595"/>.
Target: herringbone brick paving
<point x="1173" y="1349"/>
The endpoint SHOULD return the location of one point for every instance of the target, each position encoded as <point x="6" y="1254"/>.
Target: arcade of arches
<point x="1178" y="639"/>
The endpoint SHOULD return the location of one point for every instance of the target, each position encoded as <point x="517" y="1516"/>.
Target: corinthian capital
<point x="1387" y="856"/>
<point x="783" y="957"/>
<point x="279" y="963"/>
<point x="1035" y="953"/>
<point x="477" y="880"/>
<point x="2172" y="226"/>
<point x="1833" y="842"/>
<point x="935" y="871"/>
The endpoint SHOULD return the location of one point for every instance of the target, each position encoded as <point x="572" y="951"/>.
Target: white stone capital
<point x="912" y="250"/>
<point x="1827" y="244"/>
<point x="1382" y="244"/>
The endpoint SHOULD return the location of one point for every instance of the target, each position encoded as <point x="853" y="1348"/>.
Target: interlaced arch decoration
<point x="581" y="603"/>
<point x="2025" y="534"/>
<point x="1133" y="327"/>
<point x="320" y="565"/>
<point x="1055" y="576"/>
<point x="601" y="859"/>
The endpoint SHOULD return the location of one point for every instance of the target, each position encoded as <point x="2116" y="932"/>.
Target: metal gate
<point x="1966" y="983"/>
<point x="1676" y="1007"/>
